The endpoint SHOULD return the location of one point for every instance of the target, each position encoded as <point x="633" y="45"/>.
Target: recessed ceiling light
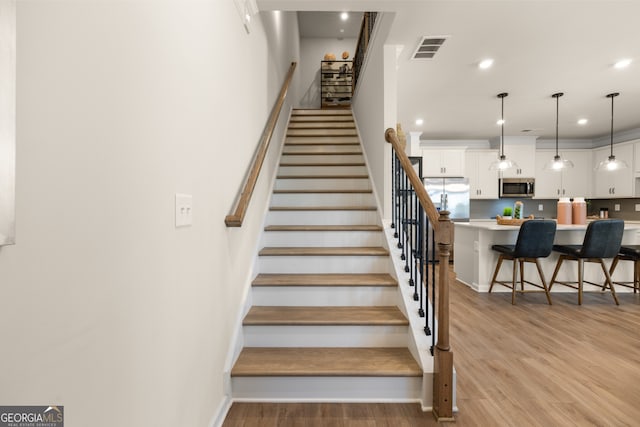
<point x="583" y="121"/>
<point x="499" y="122"/>
<point x="419" y="122"/>
<point x="485" y="63"/>
<point x="623" y="63"/>
<point x="344" y="16"/>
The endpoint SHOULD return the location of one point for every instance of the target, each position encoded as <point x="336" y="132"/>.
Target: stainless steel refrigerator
<point x="451" y="194"/>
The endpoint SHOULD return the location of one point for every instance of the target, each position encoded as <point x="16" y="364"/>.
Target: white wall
<point x="375" y="108"/>
<point x="312" y="51"/>
<point x="7" y="119"/>
<point x="105" y="307"/>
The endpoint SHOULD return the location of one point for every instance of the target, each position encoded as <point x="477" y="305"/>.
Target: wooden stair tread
<point x="324" y="251"/>
<point x="370" y="279"/>
<point x="320" y="142"/>
<point x="317" y="112"/>
<point x="322" y="177"/>
<point x="323" y="228"/>
<point x="323" y="208"/>
<point x="322" y="132"/>
<point x="324" y="119"/>
<point x="325" y="191"/>
<point x="331" y="315"/>
<point x="307" y="164"/>
<point x="326" y="361"/>
<point x="322" y="125"/>
<point x="322" y="153"/>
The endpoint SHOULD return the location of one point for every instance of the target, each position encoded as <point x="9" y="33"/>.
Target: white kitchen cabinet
<point x="443" y="162"/>
<point x="525" y="157"/>
<point x="573" y="182"/>
<point x="636" y="162"/>
<point x="612" y="184"/>
<point x="483" y="183"/>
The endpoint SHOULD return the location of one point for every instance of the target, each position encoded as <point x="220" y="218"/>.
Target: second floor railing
<point x="236" y="217"/>
<point x="422" y="232"/>
<point x="368" y="21"/>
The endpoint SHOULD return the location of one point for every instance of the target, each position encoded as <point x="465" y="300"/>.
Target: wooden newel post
<point x="443" y="357"/>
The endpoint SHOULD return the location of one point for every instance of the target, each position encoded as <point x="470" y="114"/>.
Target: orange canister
<point x="564" y="211"/>
<point x="579" y="210"/>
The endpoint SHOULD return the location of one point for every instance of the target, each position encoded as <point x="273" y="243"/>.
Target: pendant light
<point x="557" y="163"/>
<point x="502" y="163"/>
<point x="611" y="163"/>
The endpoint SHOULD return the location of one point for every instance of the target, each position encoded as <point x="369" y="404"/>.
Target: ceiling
<point x="329" y="24"/>
<point x="538" y="47"/>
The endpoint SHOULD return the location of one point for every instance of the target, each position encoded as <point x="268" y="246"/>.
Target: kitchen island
<point x="474" y="260"/>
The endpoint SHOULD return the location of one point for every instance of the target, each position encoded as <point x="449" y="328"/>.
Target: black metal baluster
<point x="393" y="190"/>
<point x="422" y="265"/>
<point x="432" y="266"/>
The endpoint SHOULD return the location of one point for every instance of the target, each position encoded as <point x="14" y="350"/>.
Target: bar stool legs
<point x="514" y="275"/>
<point x="636" y="272"/>
<point x="580" y="283"/>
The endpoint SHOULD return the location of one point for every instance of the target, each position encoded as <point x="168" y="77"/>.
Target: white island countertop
<point x="492" y="225"/>
<point x="475" y="261"/>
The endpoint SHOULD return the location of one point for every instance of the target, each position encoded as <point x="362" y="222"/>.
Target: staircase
<point x="324" y="323"/>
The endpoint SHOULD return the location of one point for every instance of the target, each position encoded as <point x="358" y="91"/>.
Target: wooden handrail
<point x="441" y="223"/>
<point x="236" y="218"/>
<point x="418" y="185"/>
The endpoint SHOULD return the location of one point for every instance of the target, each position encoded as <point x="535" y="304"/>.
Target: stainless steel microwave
<point x="517" y="187"/>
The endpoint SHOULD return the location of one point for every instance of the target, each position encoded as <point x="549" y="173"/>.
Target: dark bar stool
<point x="601" y="240"/>
<point x="628" y="253"/>
<point x="535" y="240"/>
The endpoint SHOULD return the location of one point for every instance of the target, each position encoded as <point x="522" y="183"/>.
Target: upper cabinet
<point x="483" y="183"/>
<point x="525" y="157"/>
<point x="573" y="182"/>
<point x="443" y="162"/>
<point x="611" y="184"/>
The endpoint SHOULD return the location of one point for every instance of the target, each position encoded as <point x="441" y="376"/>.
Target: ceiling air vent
<point x="428" y="47"/>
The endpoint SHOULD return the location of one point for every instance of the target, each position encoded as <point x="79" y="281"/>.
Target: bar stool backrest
<point x="535" y="239"/>
<point x="602" y="239"/>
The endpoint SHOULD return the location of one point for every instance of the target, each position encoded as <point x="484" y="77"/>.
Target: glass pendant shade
<point x="611" y="163"/>
<point x="557" y="163"/>
<point x="502" y="163"/>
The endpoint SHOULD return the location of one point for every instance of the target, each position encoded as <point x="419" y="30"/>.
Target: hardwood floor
<point x="525" y="365"/>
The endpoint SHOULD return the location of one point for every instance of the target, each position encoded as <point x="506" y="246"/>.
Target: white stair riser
<point x="343" y="217"/>
<point x="323" y="184"/>
<point x="325" y="336"/>
<point x="321" y="158"/>
<point x="323" y="199"/>
<point x="323" y="238"/>
<point x="322" y="119"/>
<point x="322" y="264"/>
<point x="321" y="170"/>
<point x="333" y="148"/>
<point x="322" y="136"/>
<point x="320" y="296"/>
<point x="328" y="389"/>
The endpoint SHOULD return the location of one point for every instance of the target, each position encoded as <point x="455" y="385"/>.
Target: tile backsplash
<point x="482" y="209"/>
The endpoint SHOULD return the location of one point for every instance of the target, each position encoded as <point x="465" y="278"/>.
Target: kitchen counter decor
<point x="511" y="221"/>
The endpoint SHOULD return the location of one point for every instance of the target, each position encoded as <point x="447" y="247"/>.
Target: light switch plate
<point x="184" y="210"/>
<point x="616" y="207"/>
<point x="637" y="207"/>
<point x="541" y="207"/>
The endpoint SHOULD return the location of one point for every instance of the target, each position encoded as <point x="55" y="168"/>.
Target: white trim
<point x="221" y="414"/>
